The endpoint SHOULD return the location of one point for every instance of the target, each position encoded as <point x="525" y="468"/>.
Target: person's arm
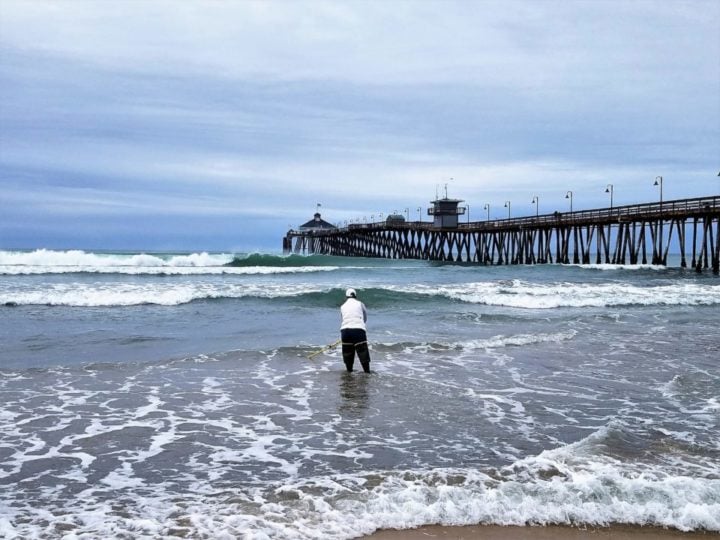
<point x="364" y="312"/>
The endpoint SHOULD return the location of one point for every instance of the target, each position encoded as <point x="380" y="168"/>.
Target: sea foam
<point x="44" y="261"/>
<point x="526" y="295"/>
<point x="101" y="294"/>
<point x="78" y="258"/>
<point x="511" y="294"/>
<point x="598" y="494"/>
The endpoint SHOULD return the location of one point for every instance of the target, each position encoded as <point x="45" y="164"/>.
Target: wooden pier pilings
<point x="637" y="234"/>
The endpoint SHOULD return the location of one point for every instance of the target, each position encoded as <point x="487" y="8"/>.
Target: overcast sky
<point x="216" y="125"/>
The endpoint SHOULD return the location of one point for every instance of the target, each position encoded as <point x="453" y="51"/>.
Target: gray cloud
<point x="254" y="111"/>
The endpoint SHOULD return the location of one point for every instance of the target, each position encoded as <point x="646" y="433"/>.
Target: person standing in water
<point x="353" y="332"/>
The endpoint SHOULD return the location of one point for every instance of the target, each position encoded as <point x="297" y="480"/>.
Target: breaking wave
<point x="527" y="295"/>
<point x="44" y="261"/>
<point x="576" y="485"/>
<point x="493" y="342"/>
<point x="508" y="294"/>
<point x="295" y="260"/>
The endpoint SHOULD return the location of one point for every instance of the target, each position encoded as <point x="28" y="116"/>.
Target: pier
<point x="635" y="234"/>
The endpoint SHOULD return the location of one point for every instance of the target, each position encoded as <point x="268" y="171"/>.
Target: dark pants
<point x="354" y="340"/>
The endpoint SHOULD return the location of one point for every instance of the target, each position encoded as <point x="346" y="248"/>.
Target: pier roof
<point x="316" y="223"/>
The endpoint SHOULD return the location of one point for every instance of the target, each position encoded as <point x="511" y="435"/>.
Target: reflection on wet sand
<point x="354" y="392"/>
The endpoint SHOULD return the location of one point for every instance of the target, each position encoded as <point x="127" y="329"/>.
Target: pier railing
<point x="664" y="210"/>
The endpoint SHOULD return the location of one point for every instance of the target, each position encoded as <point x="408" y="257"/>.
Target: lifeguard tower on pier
<point x="446" y="212"/>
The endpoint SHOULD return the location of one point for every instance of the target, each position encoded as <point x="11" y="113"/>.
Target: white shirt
<point x="353" y="314"/>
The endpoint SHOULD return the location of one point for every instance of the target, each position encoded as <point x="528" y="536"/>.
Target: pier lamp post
<point x="381" y="216"/>
<point x="419" y="209"/>
<point x="659" y="182"/>
<point x="487" y="207"/>
<point x="536" y="202"/>
<point x="407" y="213"/>
<point x="468" y="211"/>
<point x="569" y="195"/>
<point x="609" y="189"/>
<point x="507" y="205"/>
<point x="372" y="218"/>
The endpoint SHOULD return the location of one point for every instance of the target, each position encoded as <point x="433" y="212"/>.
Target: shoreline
<point x="533" y="532"/>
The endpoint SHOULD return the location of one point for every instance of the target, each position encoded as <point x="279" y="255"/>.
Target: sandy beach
<point x="496" y="532"/>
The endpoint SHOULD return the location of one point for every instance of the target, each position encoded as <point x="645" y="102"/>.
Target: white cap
<point x="350" y="293"/>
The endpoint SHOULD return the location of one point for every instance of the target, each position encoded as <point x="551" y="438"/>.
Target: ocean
<point x="171" y="396"/>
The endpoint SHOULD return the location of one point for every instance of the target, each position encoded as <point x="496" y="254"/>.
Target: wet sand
<point x="496" y="532"/>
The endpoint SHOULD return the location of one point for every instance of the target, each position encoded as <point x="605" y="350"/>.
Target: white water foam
<point x="132" y="294"/>
<point x="519" y="340"/>
<point x="76" y="261"/>
<point x="79" y="258"/>
<point x="164" y="270"/>
<point x="614" y="267"/>
<point x="495" y="342"/>
<point x="580" y="484"/>
<point x="600" y="496"/>
<point x="513" y="294"/>
<point x="549" y="489"/>
<point x="522" y="294"/>
<point x="575" y="484"/>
